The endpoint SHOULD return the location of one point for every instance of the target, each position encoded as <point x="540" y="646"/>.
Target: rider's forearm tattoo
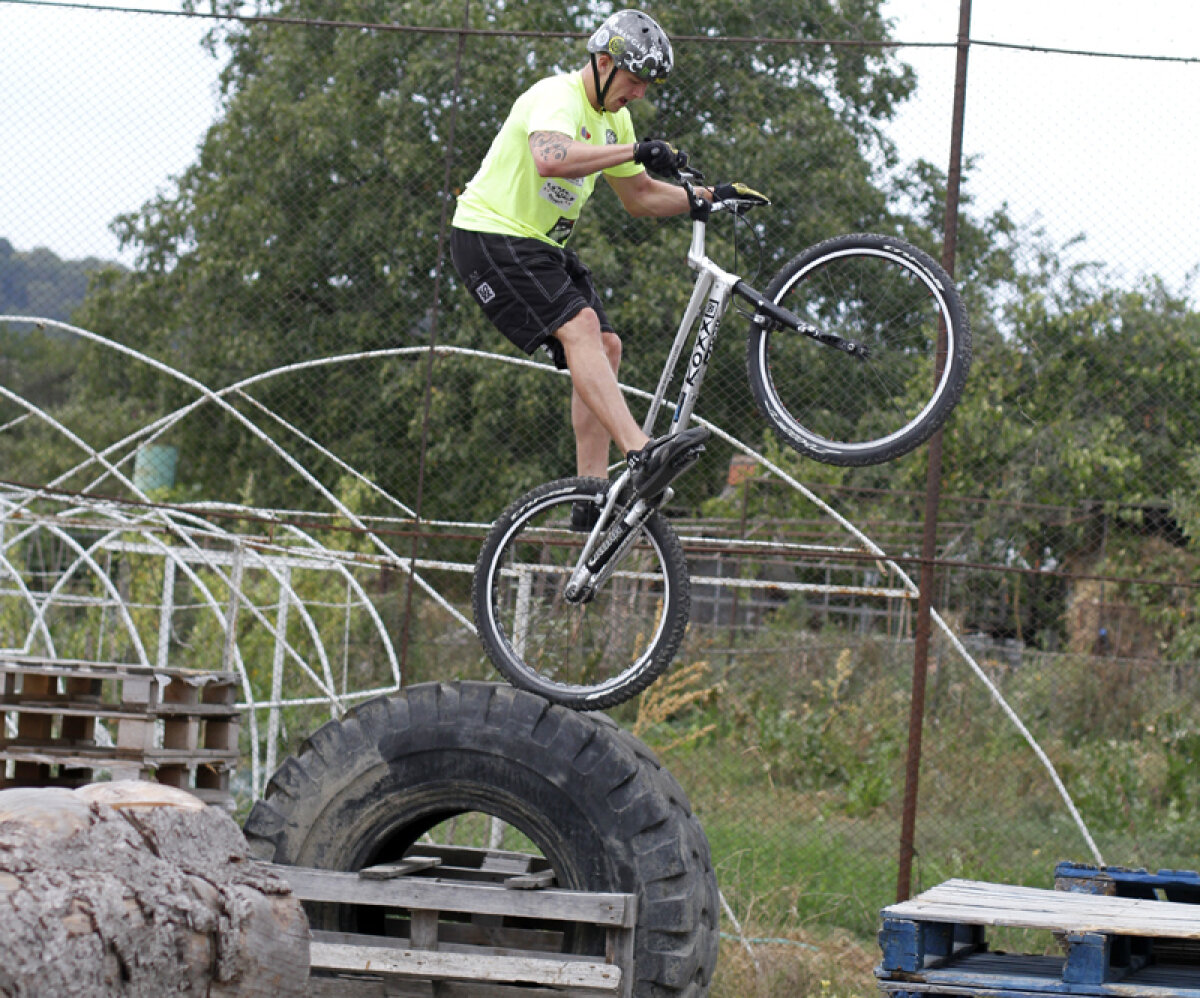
<point x="550" y="146"/>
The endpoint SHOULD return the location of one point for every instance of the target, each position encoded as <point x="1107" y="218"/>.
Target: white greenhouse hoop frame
<point x="185" y="524"/>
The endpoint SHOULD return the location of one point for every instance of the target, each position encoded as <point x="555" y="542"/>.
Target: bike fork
<point x="609" y="540"/>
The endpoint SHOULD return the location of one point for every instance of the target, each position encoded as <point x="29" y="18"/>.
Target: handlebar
<point x="700" y="208"/>
<point x="688" y="177"/>
<point x="766" y="311"/>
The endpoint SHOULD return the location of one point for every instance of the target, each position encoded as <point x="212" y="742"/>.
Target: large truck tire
<point x="601" y="808"/>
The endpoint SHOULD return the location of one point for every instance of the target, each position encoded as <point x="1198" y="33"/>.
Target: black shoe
<point x="664" y="459"/>
<point x="584" y="516"/>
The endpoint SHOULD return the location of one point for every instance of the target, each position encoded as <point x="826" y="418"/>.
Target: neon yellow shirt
<point x="506" y="195"/>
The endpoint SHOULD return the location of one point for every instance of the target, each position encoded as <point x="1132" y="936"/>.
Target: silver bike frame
<point x="705" y="310"/>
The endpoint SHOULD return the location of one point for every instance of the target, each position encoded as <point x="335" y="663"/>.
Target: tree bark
<point x="136" y="889"/>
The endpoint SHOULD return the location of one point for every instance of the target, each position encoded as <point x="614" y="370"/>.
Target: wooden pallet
<point x="935" y="944"/>
<point x="467" y="923"/>
<point x="176" y="726"/>
<point x="1165" y="885"/>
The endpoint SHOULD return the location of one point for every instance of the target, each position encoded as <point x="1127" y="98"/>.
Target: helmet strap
<point x="601" y="91"/>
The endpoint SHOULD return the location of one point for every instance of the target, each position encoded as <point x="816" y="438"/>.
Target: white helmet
<point x="636" y="42"/>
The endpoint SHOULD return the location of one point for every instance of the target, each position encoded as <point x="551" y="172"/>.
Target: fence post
<point x="933" y="483"/>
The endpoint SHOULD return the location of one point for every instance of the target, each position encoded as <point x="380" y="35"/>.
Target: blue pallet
<point x="1116" y="944"/>
<point x="1182" y="886"/>
<point x="1010" y="975"/>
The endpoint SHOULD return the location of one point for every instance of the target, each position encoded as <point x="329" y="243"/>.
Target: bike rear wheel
<point x="889" y="297"/>
<point x="587" y="656"/>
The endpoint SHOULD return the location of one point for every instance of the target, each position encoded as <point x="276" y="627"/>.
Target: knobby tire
<point x="891" y="298"/>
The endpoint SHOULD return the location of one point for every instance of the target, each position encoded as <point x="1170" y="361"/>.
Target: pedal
<point x="672" y="469"/>
<point x="680" y="462"/>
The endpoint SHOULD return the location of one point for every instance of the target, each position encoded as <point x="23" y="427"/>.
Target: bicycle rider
<point x="514" y="218"/>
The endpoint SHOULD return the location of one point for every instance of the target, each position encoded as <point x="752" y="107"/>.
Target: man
<point x="516" y="214"/>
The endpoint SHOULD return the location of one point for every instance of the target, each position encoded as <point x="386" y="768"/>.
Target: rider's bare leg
<point x="592" y="440"/>
<point x="599" y="412"/>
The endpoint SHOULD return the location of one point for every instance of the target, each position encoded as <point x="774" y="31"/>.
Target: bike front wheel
<point x="891" y="299"/>
<point x="586" y="656"/>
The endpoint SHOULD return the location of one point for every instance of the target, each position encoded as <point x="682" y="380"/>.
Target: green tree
<point x="41" y="364"/>
<point x="39" y="283"/>
<point x="309" y="224"/>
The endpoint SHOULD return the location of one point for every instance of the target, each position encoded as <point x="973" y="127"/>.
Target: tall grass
<point x="793" y="758"/>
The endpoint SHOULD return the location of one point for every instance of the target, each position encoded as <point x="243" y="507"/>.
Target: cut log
<point x="138" y="889"/>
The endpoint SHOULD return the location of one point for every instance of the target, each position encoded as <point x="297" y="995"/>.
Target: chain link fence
<point x="272" y="355"/>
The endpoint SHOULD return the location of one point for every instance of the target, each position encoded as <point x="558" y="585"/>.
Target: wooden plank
<point x="435" y="895"/>
<point x="423" y="930"/>
<point x="328" y="984"/>
<point x="619" y="949"/>
<point x="1168" y="885"/>
<point x="34" y="665"/>
<point x="484" y="864"/>
<point x="433" y="965"/>
<point x="507" y="863"/>
<point x="979" y="903"/>
<point x="529" y="881"/>
<point x="1024" y="976"/>
<point x="465" y="937"/>
<point x="334" y="985"/>
<point x="99" y="757"/>
<point x="389" y="871"/>
<point x="65" y="707"/>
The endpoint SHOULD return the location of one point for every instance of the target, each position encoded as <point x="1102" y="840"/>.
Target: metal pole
<point x="166" y="613"/>
<point x="228" y="655"/>
<point x="281" y="621"/>
<point x="933" y="484"/>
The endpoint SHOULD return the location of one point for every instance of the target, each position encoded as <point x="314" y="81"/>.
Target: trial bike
<point x="857" y="352"/>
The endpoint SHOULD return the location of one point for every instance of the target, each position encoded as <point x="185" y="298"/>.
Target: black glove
<point x="659" y="157"/>
<point x="738" y="197"/>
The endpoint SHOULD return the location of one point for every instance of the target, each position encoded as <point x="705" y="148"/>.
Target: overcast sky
<point x="100" y="109"/>
<point x="1076" y="144"/>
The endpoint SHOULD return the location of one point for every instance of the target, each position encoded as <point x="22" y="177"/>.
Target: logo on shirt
<point x="610" y="137"/>
<point x="557" y="195"/>
<point x="562" y="230"/>
<point x="585" y="133"/>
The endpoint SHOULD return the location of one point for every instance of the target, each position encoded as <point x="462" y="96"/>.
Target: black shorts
<point x="527" y="288"/>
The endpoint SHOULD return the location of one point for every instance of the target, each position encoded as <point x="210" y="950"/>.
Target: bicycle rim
<point x="586" y="656"/>
<point x="891" y="299"/>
